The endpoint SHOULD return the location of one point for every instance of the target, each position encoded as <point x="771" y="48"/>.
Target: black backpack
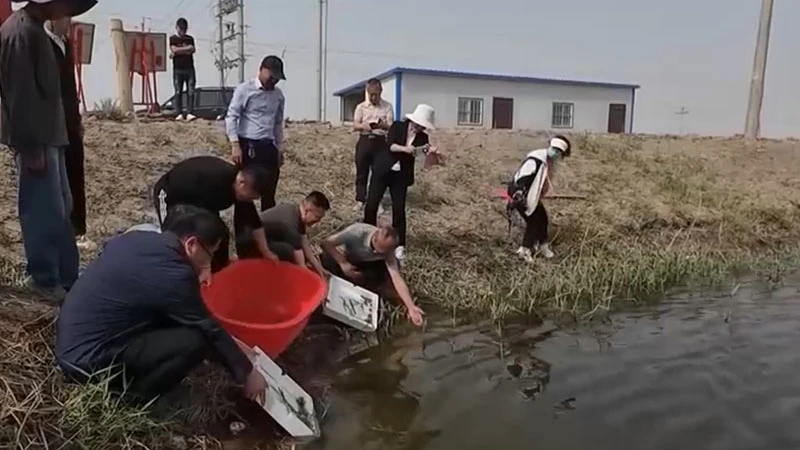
<point x="518" y="190"/>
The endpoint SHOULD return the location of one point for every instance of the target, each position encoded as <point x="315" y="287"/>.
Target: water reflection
<point x="698" y="371"/>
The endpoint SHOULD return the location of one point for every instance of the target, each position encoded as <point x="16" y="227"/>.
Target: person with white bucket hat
<point x="393" y="169"/>
<point x="33" y="126"/>
<point x="530" y="184"/>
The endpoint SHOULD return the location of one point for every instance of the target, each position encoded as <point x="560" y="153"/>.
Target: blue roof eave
<point x="482" y="76"/>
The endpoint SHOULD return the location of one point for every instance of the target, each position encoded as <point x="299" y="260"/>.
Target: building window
<point x="563" y="115"/>
<point x="470" y="111"/>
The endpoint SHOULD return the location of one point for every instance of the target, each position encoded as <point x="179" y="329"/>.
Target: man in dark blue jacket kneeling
<point x="138" y="308"/>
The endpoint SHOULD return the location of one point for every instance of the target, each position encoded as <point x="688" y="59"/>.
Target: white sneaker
<point x="400" y="254"/>
<point x="85" y="243"/>
<point x="179" y="117"/>
<point x="525" y="254"/>
<point x="359" y="207"/>
<point x="190" y="117"/>
<point x="546" y="251"/>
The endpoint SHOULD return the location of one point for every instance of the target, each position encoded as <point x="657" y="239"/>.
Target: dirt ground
<point x="630" y="181"/>
<point x="641" y="189"/>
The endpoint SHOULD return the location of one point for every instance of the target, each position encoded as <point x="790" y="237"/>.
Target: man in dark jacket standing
<point x="33" y="125"/>
<point x="58" y="31"/>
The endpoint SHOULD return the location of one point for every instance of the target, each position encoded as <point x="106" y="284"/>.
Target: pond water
<point x="698" y="371"/>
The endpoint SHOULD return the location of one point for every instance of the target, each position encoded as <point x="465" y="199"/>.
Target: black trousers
<point x="75" y="176"/>
<point x="246" y="247"/>
<point x="367" y="147"/>
<point x="156" y="361"/>
<point x="374" y="274"/>
<point x="535" y="226"/>
<point x="263" y="153"/>
<point x="398" y="189"/>
<point x="181" y="77"/>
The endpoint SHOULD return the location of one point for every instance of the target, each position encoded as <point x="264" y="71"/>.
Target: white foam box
<point x="287" y="402"/>
<point x="352" y="305"/>
<point x="144" y="227"/>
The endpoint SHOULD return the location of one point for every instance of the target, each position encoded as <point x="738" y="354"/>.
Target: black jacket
<point x="398" y="133"/>
<point x="69" y="90"/>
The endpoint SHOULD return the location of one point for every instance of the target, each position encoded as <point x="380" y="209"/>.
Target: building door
<point x="503" y="113"/>
<point x="616" y="117"/>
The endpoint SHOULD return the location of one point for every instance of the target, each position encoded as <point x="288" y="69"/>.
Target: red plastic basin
<point x="264" y="303"/>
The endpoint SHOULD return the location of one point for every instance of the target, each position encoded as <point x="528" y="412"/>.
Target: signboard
<point x="351" y="305"/>
<point x="5" y="10"/>
<point x="286" y="401"/>
<point x="82" y="37"/>
<point x="151" y="46"/>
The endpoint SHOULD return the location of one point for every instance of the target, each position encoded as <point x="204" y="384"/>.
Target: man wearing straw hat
<point x="33" y="125"/>
<point x="372" y="120"/>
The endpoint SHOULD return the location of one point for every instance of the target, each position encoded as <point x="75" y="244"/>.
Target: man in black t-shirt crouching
<point x="181" y="50"/>
<point x="215" y="185"/>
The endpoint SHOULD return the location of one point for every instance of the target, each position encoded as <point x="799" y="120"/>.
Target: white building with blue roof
<point x="478" y="100"/>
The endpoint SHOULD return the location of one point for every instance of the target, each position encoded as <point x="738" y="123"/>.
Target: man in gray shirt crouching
<point x="364" y="255"/>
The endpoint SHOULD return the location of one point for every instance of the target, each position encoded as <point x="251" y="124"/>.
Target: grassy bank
<point x="658" y="212"/>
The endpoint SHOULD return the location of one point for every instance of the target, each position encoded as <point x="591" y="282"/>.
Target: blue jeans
<point x="44" y="204"/>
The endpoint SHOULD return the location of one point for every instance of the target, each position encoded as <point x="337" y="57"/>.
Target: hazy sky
<point x="690" y="53"/>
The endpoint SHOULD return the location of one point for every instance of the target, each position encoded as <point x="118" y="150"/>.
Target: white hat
<point x="423" y="116"/>
<point x="559" y="144"/>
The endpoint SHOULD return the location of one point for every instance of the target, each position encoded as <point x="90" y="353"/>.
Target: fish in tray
<point x="352" y="305"/>
<point x="287" y="402"/>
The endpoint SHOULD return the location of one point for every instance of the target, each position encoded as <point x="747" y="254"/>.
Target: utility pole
<point x="322" y="63"/>
<point x="682" y="114"/>
<point x="752" y="125"/>
<point x="320" y="35"/>
<point x="241" y="41"/>
<point x="219" y="60"/>
<point x="227" y="32"/>
<point x="325" y="68"/>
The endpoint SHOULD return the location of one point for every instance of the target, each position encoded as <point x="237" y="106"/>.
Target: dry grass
<point x="659" y="211"/>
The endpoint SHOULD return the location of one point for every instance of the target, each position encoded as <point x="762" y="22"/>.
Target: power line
<point x="682" y="114"/>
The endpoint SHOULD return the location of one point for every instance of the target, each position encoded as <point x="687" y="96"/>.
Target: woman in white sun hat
<point x="532" y="182"/>
<point x="393" y="168"/>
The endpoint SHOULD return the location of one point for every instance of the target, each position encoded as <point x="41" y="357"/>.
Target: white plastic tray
<point x="286" y="401"/>
<point x="351" y="305"/>
<point x="144" y="227"/>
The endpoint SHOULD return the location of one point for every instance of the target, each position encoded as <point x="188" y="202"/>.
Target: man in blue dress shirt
<point x="254" y="124"/>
